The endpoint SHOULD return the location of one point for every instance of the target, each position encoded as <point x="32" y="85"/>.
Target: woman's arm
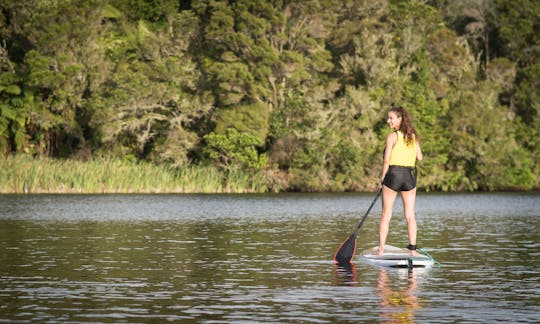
<point x="390" y="142"/>
<point x="419" y="155"/>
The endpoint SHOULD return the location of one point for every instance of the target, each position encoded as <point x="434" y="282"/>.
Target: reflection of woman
<point x="397" y="306"/>
<point x="400" y="155"/>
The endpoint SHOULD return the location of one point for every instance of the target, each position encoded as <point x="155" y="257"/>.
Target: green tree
<point x="150" y="107"/>
<point x="234" y="149"/>
<point x="518" y="25"/>
<point x="14" y="112"/>
<point x="485" y="152"/>
<point x="54" y="45"/>
<point x="297" y="91"/>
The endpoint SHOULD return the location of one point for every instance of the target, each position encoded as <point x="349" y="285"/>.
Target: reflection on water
<point x="396" y="289"/>
<point x="345" y="275"/>
<point x="262" y="258"/>
<point x="398" y="304"/>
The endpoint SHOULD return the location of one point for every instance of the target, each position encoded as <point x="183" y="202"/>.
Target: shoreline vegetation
<point x="23" y="174"/>
<point x="110" y="96"/>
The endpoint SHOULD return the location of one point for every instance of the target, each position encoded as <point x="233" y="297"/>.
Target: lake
<point x="263" y="258"/>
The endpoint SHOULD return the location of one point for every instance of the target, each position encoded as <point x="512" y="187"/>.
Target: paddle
<point x="346" y="250"/>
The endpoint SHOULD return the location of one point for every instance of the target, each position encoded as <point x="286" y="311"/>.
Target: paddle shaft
<point x="367" y="212"/>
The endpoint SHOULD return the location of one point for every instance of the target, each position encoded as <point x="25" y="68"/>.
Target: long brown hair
<point x="406" y="126"/>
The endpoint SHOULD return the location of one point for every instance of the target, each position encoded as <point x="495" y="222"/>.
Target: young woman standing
<point x="398" y="174"/>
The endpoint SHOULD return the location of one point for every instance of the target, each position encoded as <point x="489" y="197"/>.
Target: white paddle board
<point x="396" y="258"/>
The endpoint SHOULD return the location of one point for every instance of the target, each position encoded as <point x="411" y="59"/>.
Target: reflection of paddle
<point x="346" y="274"/>
<point x="346" y="250"/>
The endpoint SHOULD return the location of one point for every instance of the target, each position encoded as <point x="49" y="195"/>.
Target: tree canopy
<point x="297" y="90"/>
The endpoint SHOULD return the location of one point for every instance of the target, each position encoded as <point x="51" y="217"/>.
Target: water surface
<point x="263" y="258"/>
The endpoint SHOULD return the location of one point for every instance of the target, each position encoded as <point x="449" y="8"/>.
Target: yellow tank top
<point x="403" y="154"/>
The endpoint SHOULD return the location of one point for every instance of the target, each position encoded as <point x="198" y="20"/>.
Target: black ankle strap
<point x="411" y="247"/>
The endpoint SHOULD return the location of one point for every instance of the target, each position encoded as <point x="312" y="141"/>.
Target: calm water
<point x="263" y="258"/>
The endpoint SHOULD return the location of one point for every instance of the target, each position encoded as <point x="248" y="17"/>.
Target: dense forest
<point x="295" y="92"/>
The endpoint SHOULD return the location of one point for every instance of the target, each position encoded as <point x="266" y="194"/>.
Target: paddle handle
<point x="369" y="209"/>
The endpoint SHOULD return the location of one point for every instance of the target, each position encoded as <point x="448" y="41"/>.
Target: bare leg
<point x="388" y="198"/>
<point x="409" y="198"/>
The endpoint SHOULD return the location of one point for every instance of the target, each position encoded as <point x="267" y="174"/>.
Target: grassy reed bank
<point x="24" y="174"/>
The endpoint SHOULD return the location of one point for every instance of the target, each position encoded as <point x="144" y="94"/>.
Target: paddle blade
<point x="346" y="250"/>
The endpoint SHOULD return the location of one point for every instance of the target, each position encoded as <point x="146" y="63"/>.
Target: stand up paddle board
<point x="395" y="257"/>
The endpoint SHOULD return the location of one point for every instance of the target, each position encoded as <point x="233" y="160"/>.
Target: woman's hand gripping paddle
<point x="346" y="250"/>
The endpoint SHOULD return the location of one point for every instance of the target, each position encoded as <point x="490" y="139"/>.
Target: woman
<point x="400" y="155"/>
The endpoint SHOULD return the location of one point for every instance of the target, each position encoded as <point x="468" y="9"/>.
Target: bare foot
<point x="414" y="253"/>
<point x="380" y="251"/>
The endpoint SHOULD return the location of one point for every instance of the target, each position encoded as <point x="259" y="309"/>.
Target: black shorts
<point x="400" y="178"/>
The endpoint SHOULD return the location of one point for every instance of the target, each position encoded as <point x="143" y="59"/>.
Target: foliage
<point x="235" y="148"/>
<point x="295" y="91"/>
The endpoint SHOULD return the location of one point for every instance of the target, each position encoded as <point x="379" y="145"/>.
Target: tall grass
<point x="24" y="174"/>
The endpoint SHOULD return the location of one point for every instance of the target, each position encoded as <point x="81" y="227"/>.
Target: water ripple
<point x="262" y="258"/>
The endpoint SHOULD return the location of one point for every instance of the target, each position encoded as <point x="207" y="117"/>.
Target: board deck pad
<point x="396" y="257"/>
